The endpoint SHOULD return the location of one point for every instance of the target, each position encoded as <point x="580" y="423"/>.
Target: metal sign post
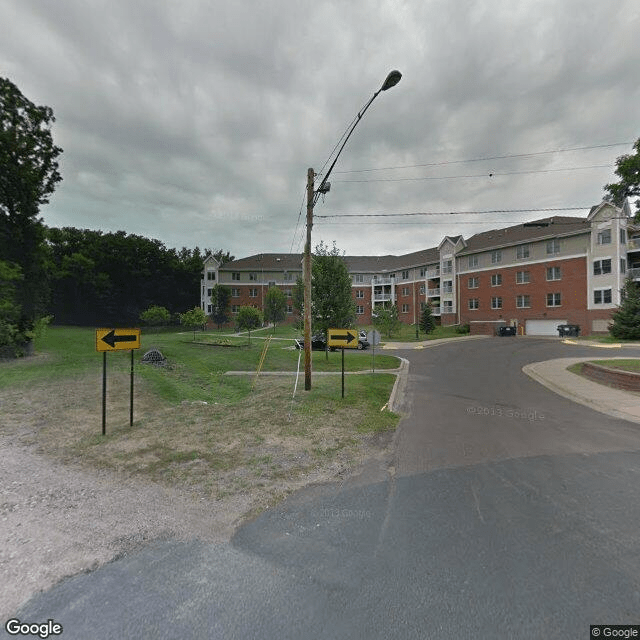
<point x="342" y="371"/>
<point x="116" y="340"/>
<point x="373" y="338"/>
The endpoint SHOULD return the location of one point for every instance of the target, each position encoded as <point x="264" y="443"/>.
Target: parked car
<point x="318" y="342"/>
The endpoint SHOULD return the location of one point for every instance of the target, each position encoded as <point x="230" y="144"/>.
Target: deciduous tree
<point x="220" y="299"/>
<point x="28" y="177"/>
<point x="628" y="170"/>
<point x="249" y="318"/>
<point x="275" y="306"/>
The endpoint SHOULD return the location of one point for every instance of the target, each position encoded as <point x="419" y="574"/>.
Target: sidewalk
<point x="427" y="343"/>
<point x="553" y="374"/>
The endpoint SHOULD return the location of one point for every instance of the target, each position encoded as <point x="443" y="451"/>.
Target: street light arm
<point x="333" y="164"/>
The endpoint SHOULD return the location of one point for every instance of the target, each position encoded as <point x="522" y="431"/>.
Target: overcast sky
<point x="195" y="121"/>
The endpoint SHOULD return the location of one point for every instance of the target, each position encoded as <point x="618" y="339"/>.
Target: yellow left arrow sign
<point x="117" y="339"/>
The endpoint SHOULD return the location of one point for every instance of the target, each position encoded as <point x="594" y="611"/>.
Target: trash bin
<point x="506" y="331"/>
<point x="568" y="330"/>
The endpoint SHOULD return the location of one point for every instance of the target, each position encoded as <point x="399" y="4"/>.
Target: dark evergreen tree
<point x="220" y="299"/>
<point x="626" y="320"/>
<point x="427" y="322"/>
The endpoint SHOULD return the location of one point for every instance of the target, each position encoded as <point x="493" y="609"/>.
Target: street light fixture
<point x="391" y="80"/>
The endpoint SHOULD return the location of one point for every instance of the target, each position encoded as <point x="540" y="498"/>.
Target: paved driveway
<point x="508" y="512"/>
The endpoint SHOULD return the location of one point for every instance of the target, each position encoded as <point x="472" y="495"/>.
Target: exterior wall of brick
<point x="572" y="287"/>
<point x="627" y="380"/>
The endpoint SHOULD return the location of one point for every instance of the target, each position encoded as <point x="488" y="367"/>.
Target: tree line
<point x="107" y="278"/>
<point x="80" y="276"/>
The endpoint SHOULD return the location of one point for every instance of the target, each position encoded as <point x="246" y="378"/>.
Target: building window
<point x="209" y="292"/>
<point x="235" y="276"/>
<point x="423" y="272"/>
<point x="473" y="283"/>
<point x="602" y="296"/>
<point x="359" y="293"/>
<point x="209" y="309"/>
<point x="604" y="237"/>
<point x="523" y="277"/>
<point x="405" y="291"/>
<point x="474" y="303"/>
<point x="496" y="303"/>
<point x="422" y="290"/>
<point x="253" y="276"/>
<point x="623" y="236"/>
<point x="211" y="275"/>
<point x="235" y="293"/>
<point x="288" y="277"/>
<point x="553" y="247"/>
<point x="360" y="309"/>
<point x="473" y="261"/>
<point x="554" y="300"/>
<point x="447" y="306"/>
<point x="358" y="278"/>
<point x="447" y="266"/>
<point x="601" y="267"/>
<point x="496" y="256"/>
<point x="496" y="279"/>
<point x="447" y="286"/>
<point x="405" y="308"/>
<point x="235" y="308"/>
<point x="405" y="275"/>
<point x="253" y="293"/>
<point x="523" y="302"/>
<point x="553" y="273"/>
<point x="289" y="308"/>
<point x="522" y="251"/>
<point x="623" y="265"/>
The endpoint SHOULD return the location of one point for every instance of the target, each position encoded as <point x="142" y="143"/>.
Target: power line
<point x="448" y="213"/>
<point x="492" y="174"/>
<point x="508" y="155"/>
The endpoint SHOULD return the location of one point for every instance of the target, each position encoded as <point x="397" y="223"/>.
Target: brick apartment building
<point x="535" y="276"/>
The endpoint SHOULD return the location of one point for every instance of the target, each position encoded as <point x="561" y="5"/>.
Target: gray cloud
<point x="195" y="122"/>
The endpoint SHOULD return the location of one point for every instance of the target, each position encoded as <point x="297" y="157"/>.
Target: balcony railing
<point x="433" y="273"/>
<point x="375" y="280"/>
<point x="382" y="297"/>
<point x="634" y="273"/>
<point x="433" y="293"/>
<point x="633" y="244"/>
<point x="447" y="289"/>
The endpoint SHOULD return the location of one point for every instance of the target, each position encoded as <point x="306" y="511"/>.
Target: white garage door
<point x="543" y="327"/>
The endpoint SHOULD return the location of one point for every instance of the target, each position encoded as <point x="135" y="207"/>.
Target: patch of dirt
<point x="72" y="500"/>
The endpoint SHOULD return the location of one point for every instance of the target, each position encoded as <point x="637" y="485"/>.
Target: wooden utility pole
<point x="307" y="282"/>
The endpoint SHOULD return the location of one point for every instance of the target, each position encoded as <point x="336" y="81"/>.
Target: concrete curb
<point x="315" y="373"/>
<point x="400" y="385"/>
<point x="553" y="375"/>
<point x="425" y="344"/>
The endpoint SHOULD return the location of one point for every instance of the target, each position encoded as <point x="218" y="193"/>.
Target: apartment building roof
<point x="266" y="262"/>
<point x="537" y="230"/>
<point x="555" y="226"/>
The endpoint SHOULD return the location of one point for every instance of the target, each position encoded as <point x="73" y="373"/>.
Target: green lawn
<point x="231" y="440"/>
<point x="407" y="333"/>
<point x="195" y="369"/>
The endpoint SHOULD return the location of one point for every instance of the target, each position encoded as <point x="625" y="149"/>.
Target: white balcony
<point x="382" y="297"/>
<point x="633" y="244"/>
<point x="433" y="273"/>
<point x="383" y="280"/>
<point x="433" y="293"/>
<point x="634" y="273"/>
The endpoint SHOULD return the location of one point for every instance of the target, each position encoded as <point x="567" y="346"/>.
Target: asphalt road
<point x="508" y="512"/>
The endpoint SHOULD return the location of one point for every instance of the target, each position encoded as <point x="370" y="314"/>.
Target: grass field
<point x="194" y="425"/>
